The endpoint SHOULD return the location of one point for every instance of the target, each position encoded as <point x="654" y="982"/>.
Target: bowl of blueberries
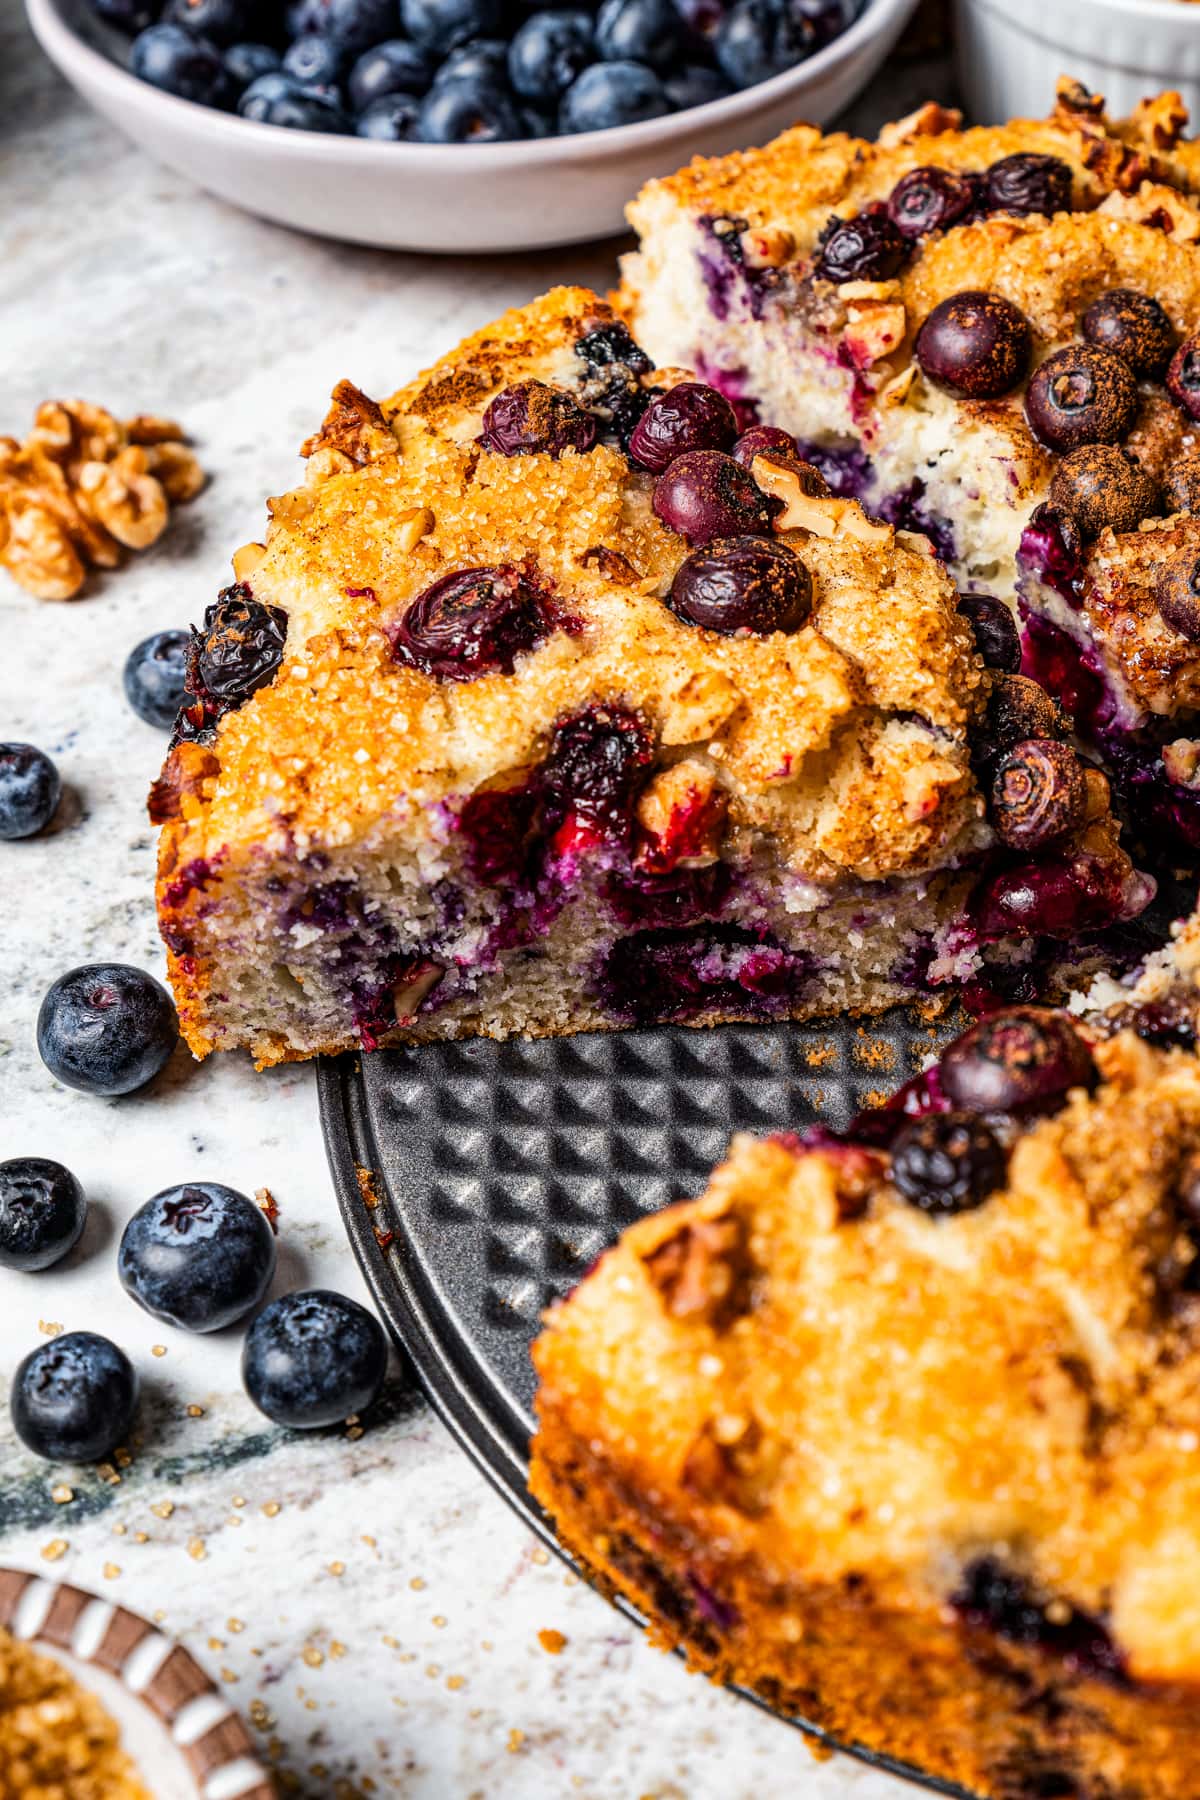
<point x="458" y="125"/>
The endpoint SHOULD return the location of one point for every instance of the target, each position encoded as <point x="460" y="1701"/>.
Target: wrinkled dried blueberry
<point x="237" y="650"/>
<point x="1018" y="708"/>
<point x="689" y="416"/>
<point x="1039" y="795"/>
<point x="1022" y="1061"/>
<point x="1183" y="377"/>
<point x="931" y="199"/>
<point x="1029" y="183"/>
<point x="976" y="344"/>
<point x="469" y="623"/>
<point x="593" y="769"/>
<point x="995" y="630"/>
<point x="1100" y="486"/>
<point x="1134" y="327"/>
<point x="1177" y="593"/>
<point x="947" y="1162"/>
<point x="868" y="247"/>
<point x="1181" y="486"/>
<point x="706" y="495"/>
<point x="743" y="585"/>
<point x="1081" y="395"/>
<point x="531" y="418"/>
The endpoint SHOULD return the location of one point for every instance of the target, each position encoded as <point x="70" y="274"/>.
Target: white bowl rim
<point x="1174" y="12"/>
<point x="67" y="48"/>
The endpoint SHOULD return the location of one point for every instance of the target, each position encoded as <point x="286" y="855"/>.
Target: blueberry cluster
<point x="466" y="71"/>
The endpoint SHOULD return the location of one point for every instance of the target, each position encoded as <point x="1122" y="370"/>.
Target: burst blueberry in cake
<point x="989" y="335"/>
<point x="901" y="1428"/>
<point x="549" y="703"/>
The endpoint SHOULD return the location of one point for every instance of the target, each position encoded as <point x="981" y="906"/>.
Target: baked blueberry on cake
<point x="901" y="1428"/>
<point x="551" y="702"/>
<point x="993" y="336"/>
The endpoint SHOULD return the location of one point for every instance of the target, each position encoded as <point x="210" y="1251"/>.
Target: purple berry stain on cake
<point x="670" y="974"/>
<point x="1000" y="1600"/>
<point x="727" y="279"/>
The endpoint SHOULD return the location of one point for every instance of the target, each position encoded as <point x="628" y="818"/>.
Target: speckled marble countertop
<point x="370" y="1604"/>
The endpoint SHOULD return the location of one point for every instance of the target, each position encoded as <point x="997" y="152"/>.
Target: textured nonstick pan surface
<point x="479" y="1181"/>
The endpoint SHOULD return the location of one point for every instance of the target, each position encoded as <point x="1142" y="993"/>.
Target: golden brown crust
<point x="845" y="742"/>
<point x="897" y="1397"/>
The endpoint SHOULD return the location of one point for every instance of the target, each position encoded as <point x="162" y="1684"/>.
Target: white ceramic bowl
<point x="1011" y="53"/>
<point x="457" y="197"/>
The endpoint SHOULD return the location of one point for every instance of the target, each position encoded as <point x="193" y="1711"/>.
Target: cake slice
<point x="988" y="335"/>
<point x="901" y="1429"/>
<point x="550" y="703"/>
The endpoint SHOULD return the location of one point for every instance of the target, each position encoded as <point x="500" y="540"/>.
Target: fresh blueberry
<point x="356" y="23"/>
<point x="154" y="678"/>
<point x="931" y="199"/>
<point x="764" y="440"/>
<point x="396" y="67"/>
<point x="694" y="85"/>
<point x="392" y="119"/>
<point x="106" y="1028"/>
<point x="199" y="1256"/>
<point x="440" y="25"/>
<point x="42" y="1213"/>
<point x="757" y="39"/>
<point x="644" y="31"/>
<point x="1133" y="325"/>
<point x="30" y="790"/>
<point x="170" y="58"/>
<point x="1039" y="794"/>
<point x="279" y="99"/>
<point x="483" y="60"/>
<point x="1177" y="592"/>
<point x="316" y="61"/>
<point x="977" y="344"/>
<point x="610" y="94"/>
<point x="1100" y="486"/>
<point x="314" y="1359"/>
<point x="220" y="22"/>
<point x="73" y="1399"/>
<point x="537" y="124"/>
<point x="1081" y="395"/>
<point x="548" y="52"/>
<point x="468" y="112"/>
<point x="246" y="62"/>
<point x="1183" y="377"/>
<point x="129" y="16"/>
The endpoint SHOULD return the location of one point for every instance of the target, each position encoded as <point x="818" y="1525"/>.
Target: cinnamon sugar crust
<point x="795" y="1418"/>
<point x="841" y="750"/>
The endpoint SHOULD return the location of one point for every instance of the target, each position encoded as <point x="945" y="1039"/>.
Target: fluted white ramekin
<point x="1011" y="53"/>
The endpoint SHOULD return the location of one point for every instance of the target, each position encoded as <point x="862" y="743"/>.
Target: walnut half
<point x="83" y="486"/>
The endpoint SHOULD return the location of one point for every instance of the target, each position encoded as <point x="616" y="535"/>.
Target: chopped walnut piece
<point x="875" y="323"/>
<point x="929" y="120"/>
<point x="705" y="1272"/>
<point x="733" y="1463"/>
<point x="246" y="560"/>
<point x="698" y="709"/>
<point x="354" y="432"/>
<point x="612" y="565"/>
<point x="83" y="486"/>
<point x="823" y="517"/>
<point x="1160" y="207"/>
<point x="767" y="246"/>
<point x="682" y="811"/>
<point x="1160" y="121"/>
<point x="1181" y="760"/>
<point x="414" y="524"/>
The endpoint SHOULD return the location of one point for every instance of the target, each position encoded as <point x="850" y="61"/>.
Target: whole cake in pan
<point x="901" y="1428"/>
<point x="550" y="703"/>
<point x="989" y="335"/>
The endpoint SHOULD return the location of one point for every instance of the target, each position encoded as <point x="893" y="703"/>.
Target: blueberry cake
<point x="550" y="703"/>
<point x="992" y="336"/>
<point x="901" y="1428"/>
